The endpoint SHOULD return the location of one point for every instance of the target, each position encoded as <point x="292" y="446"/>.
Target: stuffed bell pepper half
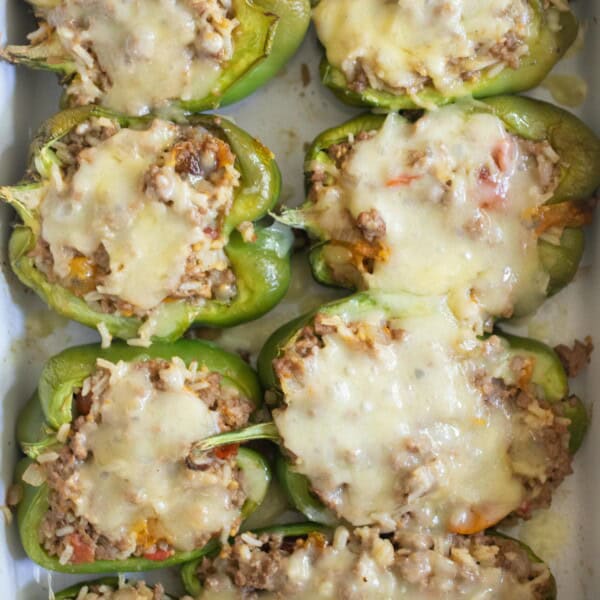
<point x="141" y="57"/>
<point x="305" y="562"/>
<point x="418" y="54"/>
<point x="142" y="227"/>
<point x="107" y="485"/>
<point x="391" y="412"/>
<point x="483" y="201"/>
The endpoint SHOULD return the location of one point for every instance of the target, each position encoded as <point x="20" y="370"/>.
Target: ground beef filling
<point x="64" y="533"/>
<point x="537" y="426"/>
<point x="577" y="357"/>
<point x="196" y="158"/>
<point x="261" y="563"/>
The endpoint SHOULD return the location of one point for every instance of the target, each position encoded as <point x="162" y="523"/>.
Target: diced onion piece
<point x="34" y="475"/>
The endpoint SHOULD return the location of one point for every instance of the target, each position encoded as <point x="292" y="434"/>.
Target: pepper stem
<point x="262" y="431"/>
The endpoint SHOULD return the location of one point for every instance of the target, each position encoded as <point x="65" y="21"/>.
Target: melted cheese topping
<point x="403" y="44"/>
<point x="457" y="194"/>
<point x="385" y="430"/>
<point x="148" y="238"/>
<point x="135" y="485"/>
<point x="148" y="52"/>
<point x="344" y="571"/>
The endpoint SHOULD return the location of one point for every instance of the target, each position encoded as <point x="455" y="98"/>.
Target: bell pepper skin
<point x="548" y="377"/>
<point x="192" y="583"/>
<point x="574" y="409"/>
<point x="297" y="488"/>
<point x="35" y="436"/>
<point x="546" y="48"/>
<point x="270" y="32"/>
<point x="66" y="372"/>
<point x="72" y="592"/>
<point x="293" y="19"/>
<point x="262" y="267"/>
<point x="576" y="144"/>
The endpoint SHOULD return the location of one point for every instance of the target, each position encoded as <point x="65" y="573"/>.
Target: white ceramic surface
<point x="285" y="115"/>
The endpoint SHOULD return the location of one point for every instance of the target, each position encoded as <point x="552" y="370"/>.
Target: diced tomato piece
<point x="211" y="232"/>
<point x="159" y="555"/>
<point x="525" y="509"/>
<point x="492" y="201"/>
<point x="82" y="551"/>
<point x="402" y="180"/>
<point x="228" y="451"/>
<point x="490" y="192"/>
<point x="503" y="155"/>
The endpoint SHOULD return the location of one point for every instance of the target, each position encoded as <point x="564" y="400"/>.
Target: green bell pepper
<point x="189" y="576"/>
<point x="262" y="268"/>
<point x="577" y="146"/>
<point x="269" y="33"/>
<point x="548" y="377"/>
<point x="193" y="584"/>
<point x="547" y="45"/>
<point x="52" y="407"/>
<point x="299" y="493"/>
<point x="112" y="582"/>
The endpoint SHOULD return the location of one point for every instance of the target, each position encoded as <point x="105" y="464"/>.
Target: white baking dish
<point x="286" y="114"/>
